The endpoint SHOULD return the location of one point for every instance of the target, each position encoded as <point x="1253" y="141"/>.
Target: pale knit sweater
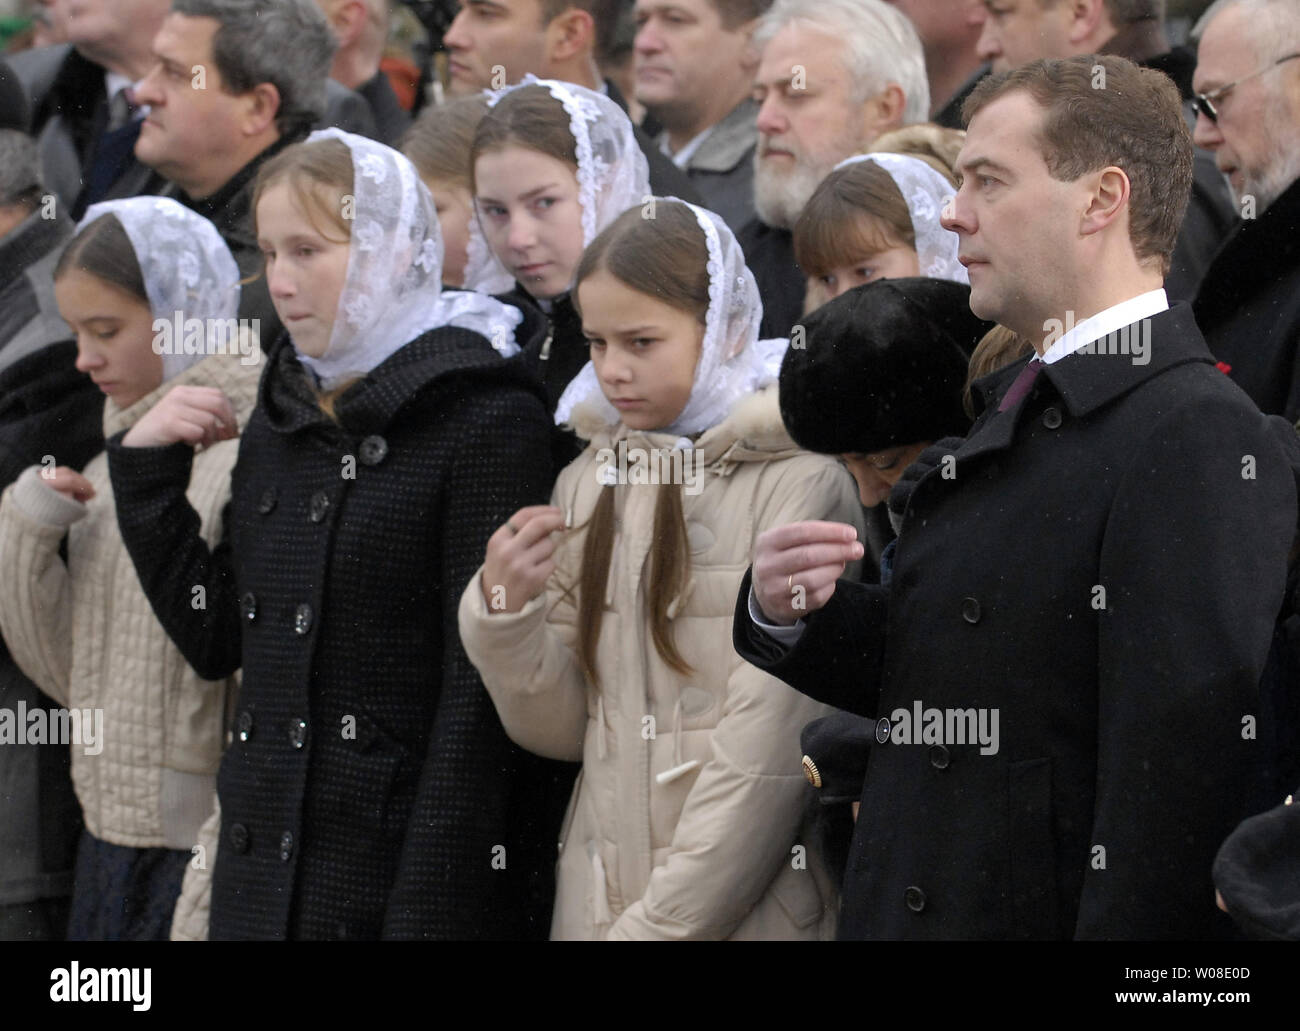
<point x="85" y="633"/>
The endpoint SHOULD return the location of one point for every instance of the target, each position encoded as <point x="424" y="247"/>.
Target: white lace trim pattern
<point x="187" y="269"/>
<point x="392" y="293"/>
<point x="926" y="193"/>
<point x="733" y="361"/>
<point x="612" y="173"/>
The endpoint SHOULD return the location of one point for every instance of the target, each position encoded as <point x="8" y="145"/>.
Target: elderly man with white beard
<point x="834" y="75"/>
<point x="1248" y="114"/>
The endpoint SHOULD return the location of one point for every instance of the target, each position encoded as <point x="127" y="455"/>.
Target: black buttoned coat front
<point x="369" y="790"/>
<point x="1099" y="570"/>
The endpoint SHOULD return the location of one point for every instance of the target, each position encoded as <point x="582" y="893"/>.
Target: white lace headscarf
<point x="187" y="269"/>
<point x="733" y="361"/>
<point x="612" y="173"/>
<point x="926" y="193"/>
<point x="392" y="292"/>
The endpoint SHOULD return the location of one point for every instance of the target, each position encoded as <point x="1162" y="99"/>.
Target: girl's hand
<point x="201" y="416"/>
<point x="518" y="561"/>
<point x="70" y="483"/>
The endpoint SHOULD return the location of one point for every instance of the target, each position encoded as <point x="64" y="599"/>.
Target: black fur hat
<point x="880" y="366"/>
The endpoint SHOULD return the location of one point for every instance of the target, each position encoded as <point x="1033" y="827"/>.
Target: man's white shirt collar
<point x="688" y="150"/>
<point x="1106" y="322"/>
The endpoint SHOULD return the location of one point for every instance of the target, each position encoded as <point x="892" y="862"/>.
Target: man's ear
<point x="1087" y="20"/>
<point x="570" y="34"/>
<point x="261" y="105"/>
<point x="883" y="112"/>
<point x="751" y="55"/>
<point x="1109" y="201"/>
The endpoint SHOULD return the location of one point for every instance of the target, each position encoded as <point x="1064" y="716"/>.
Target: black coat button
<point x="302" y="618"/>
<point x="970" y="610"/>
<point x="1052" y="418"/>
<point x="286" y="846"/>
<point x="939" y="757"/>
<point x="245" y="725"/>
<point x="882" y="729"/>
<point x="238" y="835"/>
<point x="298" y="732"/>
<point x="915" y="899"/>
<point x="248" y="606"/>
<point x="268" y="501"/>
<point x="374" y="449"/>
<point x="320" y="505"/>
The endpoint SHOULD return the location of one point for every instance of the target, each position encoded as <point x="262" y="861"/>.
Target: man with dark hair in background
<point x="495" y="43"/>
<point x="949" y="31"/>
<point x="694" y="74"/>
<point x="264" y="67"/>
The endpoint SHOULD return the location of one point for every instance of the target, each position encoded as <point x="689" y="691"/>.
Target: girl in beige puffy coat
<point x="602" y="624"/>
<point x="147" y="286"/>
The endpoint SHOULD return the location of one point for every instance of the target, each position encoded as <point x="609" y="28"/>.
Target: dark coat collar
<point x="29" y="241"/>
<point x="1087" y="382"/>
<point x="1260" y="252"/>
<point x="229" y="209"/>
<point x="288" y="396"/>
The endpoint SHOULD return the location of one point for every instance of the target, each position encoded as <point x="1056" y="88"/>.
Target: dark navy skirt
<point x="124" y="894"/>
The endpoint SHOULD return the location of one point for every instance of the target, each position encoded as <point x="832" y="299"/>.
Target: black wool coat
<point x="1248" y="306"/>
<point x="555" y="356"/>
<point x="369" y="790"/>
<point x="1101" y="568"/>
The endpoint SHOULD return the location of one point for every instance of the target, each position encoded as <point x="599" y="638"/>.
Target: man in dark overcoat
<point x="1065" y="666"/>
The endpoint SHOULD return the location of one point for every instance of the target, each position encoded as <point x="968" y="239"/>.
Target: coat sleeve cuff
<point x="41" y="503"/>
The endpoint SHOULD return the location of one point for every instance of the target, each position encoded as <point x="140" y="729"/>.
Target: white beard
<point x="1280" y="166"/>
<point x="778" y="198"/>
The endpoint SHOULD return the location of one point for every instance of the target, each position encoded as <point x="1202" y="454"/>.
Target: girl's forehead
<point x="520" y="169"/>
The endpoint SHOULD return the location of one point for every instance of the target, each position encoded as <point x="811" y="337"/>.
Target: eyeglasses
<point x="1204" y="102"/>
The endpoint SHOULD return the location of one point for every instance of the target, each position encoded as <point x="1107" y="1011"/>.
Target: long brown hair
<point x="439" y="142"/>
<point x="526" y="117"/>
<point x="664" y="256"/>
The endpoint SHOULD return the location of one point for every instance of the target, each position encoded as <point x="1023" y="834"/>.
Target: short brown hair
<point x="855" y="211"/>
<point x="1133" y="121"/>
<point x="439" y="142"/>
<point x="604" y="17"/>
<point x="1125" y="12"/>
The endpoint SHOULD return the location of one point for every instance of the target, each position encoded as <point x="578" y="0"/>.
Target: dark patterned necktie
<point x="1021" y="385"/>
<point x="122" y="108"/>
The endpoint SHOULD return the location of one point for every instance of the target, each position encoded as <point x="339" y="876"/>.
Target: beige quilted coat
<point x="691" y="816"/>
<point x="85" y="633"/>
